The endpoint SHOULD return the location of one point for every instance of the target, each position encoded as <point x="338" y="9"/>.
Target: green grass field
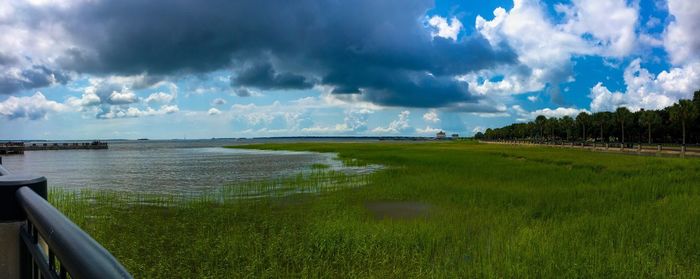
<point x="478" y="210"/>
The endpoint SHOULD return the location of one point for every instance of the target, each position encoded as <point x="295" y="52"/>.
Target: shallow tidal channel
<point x="179" y="168"/>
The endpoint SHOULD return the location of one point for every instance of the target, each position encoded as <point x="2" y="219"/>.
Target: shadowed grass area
<point x="490" y="211"/>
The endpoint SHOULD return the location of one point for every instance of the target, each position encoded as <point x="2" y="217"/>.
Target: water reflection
<point x="165" y="166"/>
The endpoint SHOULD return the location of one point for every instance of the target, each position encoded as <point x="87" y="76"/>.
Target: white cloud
<point x="532" y="98"/>
<point x="214" y="111"/>
<point x="113" y="97"/>
<point x="477" y="129"/>
<point x="604" y="100"/>
<point x="33" y="107"/>
<point x="447" y="30"/>
<point x="273" y="118"/>
<point x="356" y="119"/>
<point x="646" y="91"/>
<point x="524" y="115"/>
<point x="29" y="40"/>
<point x="610" y="23"/>
<point x="399" y="125"/>
<point x="123" y="97"/>
<point x="87" y="100"/>
<point x="427" y="130"/>
<point x="160" y="98"/>
<point x="132" y="112"/>
<point x="681" y="36"/>
<point x="203" y="90"/>
<point x="557" y="112"/>
<point x="431" y="116"/>
<point x="338" y="128"/>
<point x="546" y="47"/>
<point x="516" y="80"/>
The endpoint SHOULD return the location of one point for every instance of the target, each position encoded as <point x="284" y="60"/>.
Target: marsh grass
<point x="494" y="211"/>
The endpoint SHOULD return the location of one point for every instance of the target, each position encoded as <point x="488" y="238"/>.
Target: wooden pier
<point x="20" y="147"/>
<point x="11" y="148"/>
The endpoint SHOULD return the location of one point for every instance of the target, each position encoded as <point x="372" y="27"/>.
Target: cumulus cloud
<point x="160" y="98"/>
<point x="114" y="97"/>
<point x="431" y="116"/>
<point x="545" y="47"/>
<point x="271" y="118"/>
<point x="557" y="112"/>
<point x="604" y="100"/>
<point x="379" y="50"/>
<point x="427" y="130"/>
<point x="610" y="24"/>
<point x="33" y="107"/>
<point x="122" y="97"/>
<point x="444" y="29"/>
<point x="29" y="46"/>
<point x="213" y="111"/>
<point x="680" y="38"/>
<point x="646" y="91"/>
<point x="356" y="120"/>
<point x="13" y="79"/>
<point x="399" y="125"/>
<point x="524" y="115"/>
<point x="133" y="112"/>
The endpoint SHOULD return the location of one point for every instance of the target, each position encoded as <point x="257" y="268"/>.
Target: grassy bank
<point x="480" y="211"/>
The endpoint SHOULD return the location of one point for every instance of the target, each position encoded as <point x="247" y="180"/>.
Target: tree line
<point x="679" y="124"/>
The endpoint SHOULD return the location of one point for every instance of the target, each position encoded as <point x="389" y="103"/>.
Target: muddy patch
<point x="397" y="209"/>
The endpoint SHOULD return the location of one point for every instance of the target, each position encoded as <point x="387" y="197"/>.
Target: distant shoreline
<point x="241" y="138"/>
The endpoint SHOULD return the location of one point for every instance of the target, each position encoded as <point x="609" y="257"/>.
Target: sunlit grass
<point x="494" y="211"/>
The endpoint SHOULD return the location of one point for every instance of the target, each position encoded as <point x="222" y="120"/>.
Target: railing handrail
<point x="23" y="200"/>
<point x="82" y="256"/>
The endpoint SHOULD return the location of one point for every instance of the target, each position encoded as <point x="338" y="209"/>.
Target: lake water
<point x="177" y="166"/>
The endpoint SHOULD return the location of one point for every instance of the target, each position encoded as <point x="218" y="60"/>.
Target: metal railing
<point x="49" y="244"/>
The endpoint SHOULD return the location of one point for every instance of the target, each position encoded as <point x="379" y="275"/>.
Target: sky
<point x="97" y="69"/>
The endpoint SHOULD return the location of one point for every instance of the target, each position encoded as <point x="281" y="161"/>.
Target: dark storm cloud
<point x="263" y="76"/>
<point x="242" y="92"/>
<point x="380" y="49"/>
<point x="34" y="77"/>
<point x="6" y="59"/>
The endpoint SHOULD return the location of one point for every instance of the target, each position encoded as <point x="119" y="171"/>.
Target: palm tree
<point x="567" y="122"/>
<point x="583" y="119"/>
<point x="683" y="111"/>
<point x="540" y="121"/>
<point x="600" y="119"/>
<point x="552" y="127"/>
<point x="622" y="115"/>
<point x="649" y="118"/>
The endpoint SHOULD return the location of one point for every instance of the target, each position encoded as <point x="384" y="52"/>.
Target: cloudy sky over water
<point x="200" y="69"/>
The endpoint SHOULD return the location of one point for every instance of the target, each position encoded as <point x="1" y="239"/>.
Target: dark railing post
<point x="34" y="236"/>
<point x="12" y="217"/>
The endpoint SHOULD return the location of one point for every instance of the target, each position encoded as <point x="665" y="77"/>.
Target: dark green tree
<point x="683" y="112"/>
<point x="568" y="124"/>
<point x="600" y="119"/>
<point x="540" y="121"/>
<point x="649" y="119"/>
<point x="622" y="116"/>
<point x="583" y="119"/>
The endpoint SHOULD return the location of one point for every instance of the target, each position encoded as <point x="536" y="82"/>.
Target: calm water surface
<point x="184" y="166"/>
